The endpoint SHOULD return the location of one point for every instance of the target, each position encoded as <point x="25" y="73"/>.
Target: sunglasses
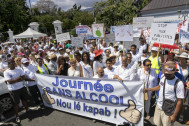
<point x="148" y="65"/>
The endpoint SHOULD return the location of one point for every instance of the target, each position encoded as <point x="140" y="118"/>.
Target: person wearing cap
<point x="113" y="59"/>
<point x="61" y="52"/>
<point x="182" y="65"/>
<point x="41" y="67"/>
<point x="172" y="89"/>
<point x="116" y="51"/>
<point x="68" y="51"/>
<point x="14" y="78"/>
<point x="149" y="77"/>
<point x="29" y="71"/>
<point x="97" y="60"/>
<point x="154" y="58"/>
<point x="52" y="66"/>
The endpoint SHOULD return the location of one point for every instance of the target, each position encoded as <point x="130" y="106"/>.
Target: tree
<point x="46" y="7"/>
<point x="118" y="12"/>
<point x="14" y="15"/>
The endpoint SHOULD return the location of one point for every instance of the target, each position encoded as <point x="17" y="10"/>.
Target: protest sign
<point x="184" y="36"/>
<point x="110" y="38"/>
<point x="98" y="30"/>
<point x="124" y="33"/>
<point x="106" y="100"/>
<point x="83" y="30"/>
<point x="183" y="25"/>
<point x="142" y="22"/>
<point x="137" y="32"/>
<point x="63" y="37"/>
<point x="112" y="29"/>
<point x="163" y="33"/>
<point x="77" y="41"/>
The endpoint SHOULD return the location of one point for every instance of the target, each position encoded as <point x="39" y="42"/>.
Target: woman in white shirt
<point x="74" y="70"/>
<point x="97" y="60"/>
<point x="149" y="77"/>
<point x="85" y="65"/>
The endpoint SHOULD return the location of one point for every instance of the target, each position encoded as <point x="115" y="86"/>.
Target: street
<point x="49" y="117"/>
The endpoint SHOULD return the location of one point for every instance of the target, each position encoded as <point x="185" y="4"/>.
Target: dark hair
<point x="145" y="61"/>
<point x="129" y="53"/>
<point x="78" y="53"/>
<point x="133" y="45"/>
<point x="61" y="58"/>
<point x="97" y="58"/>
<point x="108" y="49"/>
<point x="88" y="57"/>
<point x="109" y="60"/>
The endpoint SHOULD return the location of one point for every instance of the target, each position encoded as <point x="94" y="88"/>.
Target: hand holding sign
<point x="131" y="114"/>
<point x="47" y="98"/>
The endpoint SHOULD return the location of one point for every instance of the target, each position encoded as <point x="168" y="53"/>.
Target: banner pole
<point x="123" y="48"/>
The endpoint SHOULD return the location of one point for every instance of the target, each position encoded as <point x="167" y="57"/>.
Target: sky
<point x="67" y="4"/>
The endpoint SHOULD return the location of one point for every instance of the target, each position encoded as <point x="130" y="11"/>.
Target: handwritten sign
<point x="83" y="30"/>
<point x="142" y="22"/>
<point x="110" y="38"/>
<point x="184" y="36"/>
<point x="124" y="33"/>
<point x="63" y="37"/>
<point x="163" y="33"/>
<point x="77" y="41"/>
<point x="98" y="30"/>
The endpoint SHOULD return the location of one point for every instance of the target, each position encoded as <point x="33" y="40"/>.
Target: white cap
<point x="24" y="60"/>
<point x="66" y="55"/>
<point x="40" y="49"/>
<point x="68" y="50"/>
<point x="46" y="47"/>
<point x="154" y="49"/>
<point x="53" y="49"/>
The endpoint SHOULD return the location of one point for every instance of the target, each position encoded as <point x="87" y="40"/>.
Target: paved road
<point x="50" y="117"/>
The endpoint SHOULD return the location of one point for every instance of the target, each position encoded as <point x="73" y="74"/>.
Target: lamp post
<point x="182" y="15"/>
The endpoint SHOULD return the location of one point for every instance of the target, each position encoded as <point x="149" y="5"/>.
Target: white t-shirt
<point x="109" y="72"/>
<point x="30" y="73"/>
<point x="169" y="90"/>
<point x="96" y="65"/>
<point x="87" y="70"/>
<point x="74" y="73"/>
<point x="104" y="77"/>
<point x="13" y="74"/>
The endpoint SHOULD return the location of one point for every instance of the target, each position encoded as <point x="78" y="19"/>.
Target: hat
<point x="24" y="60"/>
<point x="154" y="49"/>
<point x="183" y="55"/>
<point x="66" y="55"/>
<point x="112" y="55"/>
<point x="115" y="45"/>
<point x="20" y="54"/>
<point x="46" y="47"/>
<point x="68" y="50"/>
<point x="53" y="49"/>
<point x="38" y="57"/>
<point x="98" y="52"/>
<point x="40" y="49"/>
<point x="60" y="49"/>
<point x="53" y="55"/>
<point x="169" y="67"/>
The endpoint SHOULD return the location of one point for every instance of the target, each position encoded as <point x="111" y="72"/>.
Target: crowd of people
<point x="164" y="72"/>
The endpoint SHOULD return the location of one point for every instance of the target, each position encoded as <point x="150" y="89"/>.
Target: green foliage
<point x="118" y="12"/>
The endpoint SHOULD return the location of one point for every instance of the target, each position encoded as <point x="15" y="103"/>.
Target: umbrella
<point x="166" y="46"/>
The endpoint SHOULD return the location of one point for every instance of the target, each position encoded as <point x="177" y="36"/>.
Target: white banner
<point x="63" y="37"/>
<point x="110" y="38"/>
<point x="184" y="36"/>
<point x="183" y="25"/>
<point x="83" y="30"/>
<point x="77" y="41"/>
<point x="163" y="33"/>
<point x="142" y="22"/>
<point x="106" y="100"/>
<point x="137" y="32"/>
<point x="98" y="30"/>
<point x="124" y="33"/>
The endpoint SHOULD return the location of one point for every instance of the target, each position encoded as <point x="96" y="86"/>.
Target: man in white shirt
<point x="86" y="47"/>
<point x="172" y="92"/>
<point x="14" y="78"/>
<point x="100" y="74"/>
<point x="125" y="71"/>
<point x="61" y="52"/>
<point x="109" y="69"/>
<point x="30" y="71"/>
